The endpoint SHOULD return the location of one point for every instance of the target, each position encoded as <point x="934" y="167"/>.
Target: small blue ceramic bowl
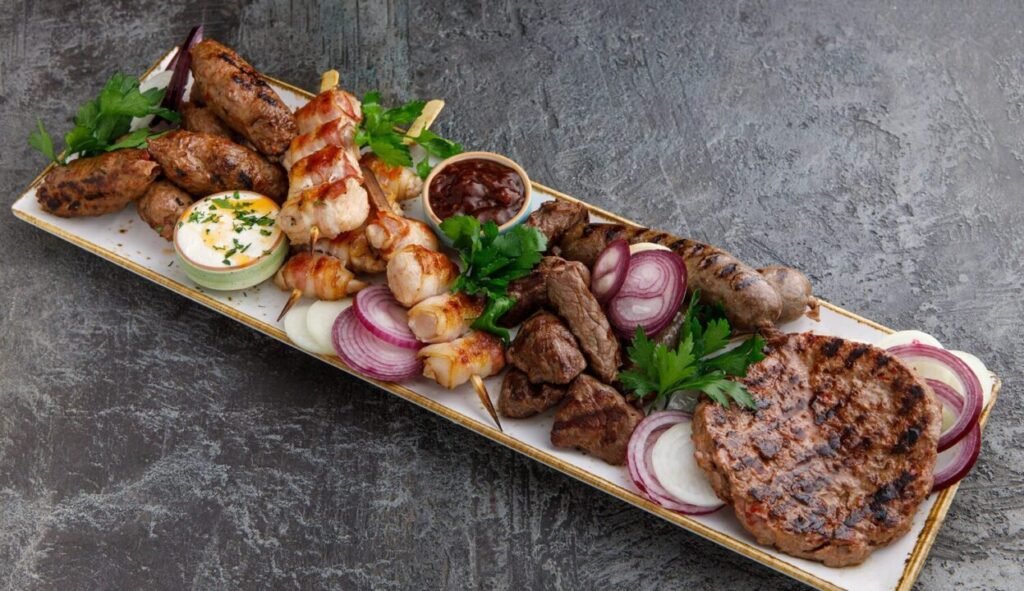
<point x="518" y="218"/>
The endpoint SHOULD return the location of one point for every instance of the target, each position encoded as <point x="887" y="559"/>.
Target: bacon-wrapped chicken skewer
<point x="444" y="317"/>
<point x="354" y="250"/>
<point x="317" y="275"/>
<point x="389" y="233"/>
<point x="417" y="273"/>
<point x="454" y="363"/>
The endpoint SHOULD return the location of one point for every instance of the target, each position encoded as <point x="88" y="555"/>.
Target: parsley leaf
<point x="490" y="260"/>
<point x="103" y="124"/>
<point x="380" y="131"/>
<point x="661" y="371"/>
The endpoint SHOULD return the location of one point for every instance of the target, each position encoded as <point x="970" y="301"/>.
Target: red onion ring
<point x="651" y="294"/>
<point x="610" y="270"/>
<point x="967" y="451"/>
<point x="382" y="315"/>
<point x="973" y="399"/>
<point x="369" y="355"/>
<point x="948" y="397"/>
<point x="638" y="461"/>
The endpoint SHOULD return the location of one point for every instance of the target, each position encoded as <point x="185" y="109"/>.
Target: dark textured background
<point x="148" y="443"/>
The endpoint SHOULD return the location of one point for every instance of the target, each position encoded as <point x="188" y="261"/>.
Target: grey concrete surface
<point x="146" y="443"/>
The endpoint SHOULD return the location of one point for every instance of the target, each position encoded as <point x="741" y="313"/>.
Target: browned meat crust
<point x="795" y="290"/>
<point x="98" y="184"/>
<point x="240" y="96"/>
<point x="555" y="217"/>
<point x="546" y="351"/>
<point x="530" y="294"/>
<point x="749" y="301"/>
<point x="595" y="419"/>
<point x="838" y="455"/>
<point x="162" y="206"/>
<point x="520" y="399"/>
<point x="200" y="119"/>
<point x="569" y="294"/>
<point x="201" y="164"/>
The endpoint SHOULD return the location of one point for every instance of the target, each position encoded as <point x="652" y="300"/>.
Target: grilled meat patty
<point x="202" y="164"/>
<point x="98" y="184"/>
<point x="836" y="458"/>
<point x="239" y="96"/>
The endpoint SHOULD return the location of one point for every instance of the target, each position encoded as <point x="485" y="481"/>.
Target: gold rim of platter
<point x="912" y="567"/>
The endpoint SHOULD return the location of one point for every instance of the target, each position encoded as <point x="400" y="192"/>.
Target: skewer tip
<point x="485" y="398"/>
<point x="294" y="297"/>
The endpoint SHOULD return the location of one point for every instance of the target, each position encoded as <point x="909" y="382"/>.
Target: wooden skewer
<point x="485" y="398"/>
<point x="377" y="196"/>
<point x="294" y="297"/>
<point x="430" y="112"/>
<point x="329" y="79"/>
<point x="314" y="235"/>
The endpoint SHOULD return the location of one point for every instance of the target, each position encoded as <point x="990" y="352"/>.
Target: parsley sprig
<point x="103" y="124"/>
<point x="490" y="261"/>
<point x="662" y="371"/>
<point x="379" y="130"/>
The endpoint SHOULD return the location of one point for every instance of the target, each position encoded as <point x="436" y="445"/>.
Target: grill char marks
<point x="838" y="456"/>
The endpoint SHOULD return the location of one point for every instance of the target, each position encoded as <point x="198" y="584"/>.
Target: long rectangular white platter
<point x="126" y="240"/>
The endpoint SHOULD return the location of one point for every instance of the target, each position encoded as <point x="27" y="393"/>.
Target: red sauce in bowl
<point x="485" y="189"/>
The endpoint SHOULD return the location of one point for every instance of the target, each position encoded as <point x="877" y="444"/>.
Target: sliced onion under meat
<point x="969" y="385"/>
<point x="382" y="315"/>
<point x="954" y="463"/>
<point x="638" y="460"/>
<point x="369" y="355"/>
<point x="651" y="294"/>
<point x="609" y="272"/>
<point x="180" y="65"/>
<point x="955" y="404"/>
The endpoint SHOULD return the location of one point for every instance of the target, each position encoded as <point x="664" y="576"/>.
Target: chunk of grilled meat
<point x="98" y="184"/>
<point x="520" y="399"/>
<point x="595" y="419"/>
<point x="546" y="351"/>
<point x="530" y="294"/>
<point x="354" y="250"/>
<point x="836" y="458"/>
<point x="748" y="299"/>
<point x="555" y="217"/>
<point x="241" y="97"/>
<point x="161" y="207"/>
<point x="202" y="164"/>
<point x="198" y="118"/>
<point x="568" y="286"/>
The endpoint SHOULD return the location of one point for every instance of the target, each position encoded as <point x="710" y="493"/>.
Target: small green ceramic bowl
<point x="230" y="240"/>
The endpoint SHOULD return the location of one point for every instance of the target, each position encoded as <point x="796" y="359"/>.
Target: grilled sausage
<point x="239" y="95"/>
<point x="201" y="164"/>
<point x="749" y="300"/>
<point x="200" y="119"/>
<point x="98" y="184"/>
<point x="795" y="290"/>
<point x="162" y="206"/>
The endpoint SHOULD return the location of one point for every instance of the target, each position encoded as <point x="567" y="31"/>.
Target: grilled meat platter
<point x="719" y="392"/>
